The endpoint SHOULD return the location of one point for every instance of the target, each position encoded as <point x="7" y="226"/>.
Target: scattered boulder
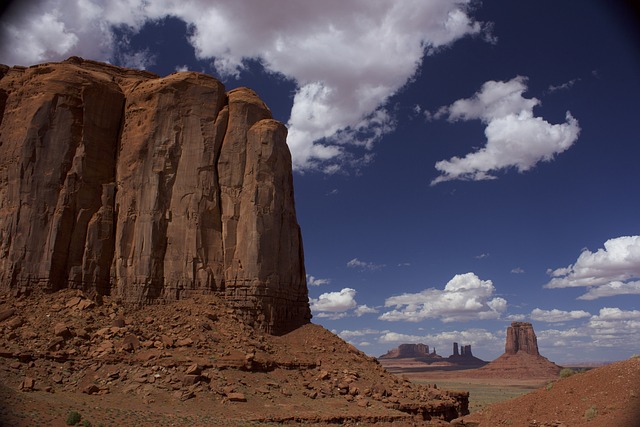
<point x="28" y="384"/>
<point x="6" y="314"/>
<point x="236" y="397"/>
<point x="62" y="330"/>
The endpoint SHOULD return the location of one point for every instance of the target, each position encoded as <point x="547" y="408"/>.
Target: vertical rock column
<point x="57" y="159"/>
<point x="264" y="263"/>
<point x="168" y="237"/>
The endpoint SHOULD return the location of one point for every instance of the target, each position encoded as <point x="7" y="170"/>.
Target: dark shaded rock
<point x="5" y="314"/>
<point x="520" y="337"/>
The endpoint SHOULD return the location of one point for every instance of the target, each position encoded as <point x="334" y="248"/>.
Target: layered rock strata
<point x="119" y="182"/>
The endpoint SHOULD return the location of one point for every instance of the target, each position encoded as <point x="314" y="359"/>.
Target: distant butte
<point x="420" y="353"/>
<point x="521" y="358"/>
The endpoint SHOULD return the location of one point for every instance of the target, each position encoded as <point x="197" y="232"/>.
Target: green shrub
<point x="566" y="372"/>
<point x="591" y="413"/>
<point x="86" y="423"/>
<point x="549" y="386"/>
<point x="73" y="418"/>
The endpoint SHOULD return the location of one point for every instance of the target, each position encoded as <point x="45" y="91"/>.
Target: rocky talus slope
<point x="608" y="396"/>
<point x="192" y="362"/>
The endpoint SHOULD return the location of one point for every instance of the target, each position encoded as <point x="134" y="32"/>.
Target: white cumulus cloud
<point x="347" y="58"/>
<point x="555" y="315"/>
<point x="612" y="270"/>
<point x="515" y="137"/>
<point x="612" y="289"/>
<point x="334" y="302"/>
<point x="465" y="297"/>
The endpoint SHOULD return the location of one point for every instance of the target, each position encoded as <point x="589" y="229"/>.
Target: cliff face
<point x="521" y="337"/>
<point x="119" y="182"/>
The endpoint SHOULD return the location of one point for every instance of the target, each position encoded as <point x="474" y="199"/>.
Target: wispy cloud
<point x="515" y="137"/>
<point x="363" y="265"/>
<point x="464" y="298"/>
<point x="555" y="315"/>
<point x="611" y="327"/>
<point x="314" y="281"/>
<point x="612" y="289"/>
<point x="563" y="86"/>
<point x="361" y="310"/>
<point x="348" y="334"/>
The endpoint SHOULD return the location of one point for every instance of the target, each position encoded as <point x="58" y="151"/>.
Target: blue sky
<point x="458" y="165"/>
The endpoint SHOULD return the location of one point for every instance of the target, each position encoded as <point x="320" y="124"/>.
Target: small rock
<point x="194" y="369"/>
<point x="183" y="395"/>
<point x="27" y="384"/>
<point x="15" y="323"/>
<point x="188" y="380"/>
<point x="167" y="341"/>
<point x="86" y="304"/>
<point x="130" y="343"/>
<point x="91" y="389"/>
<point x="184" y="342"/>
<point x="236" y="397"/>
<point x="324" y="375"/>
<point x="5" y="314"/>
<point x="61" y="330"/>
<point x="73" y="302"/>
<point x="363" y="403"/>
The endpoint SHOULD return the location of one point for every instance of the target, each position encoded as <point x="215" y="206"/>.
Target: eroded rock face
<point x="120" y="182"/>
<point x="521" y="337"/>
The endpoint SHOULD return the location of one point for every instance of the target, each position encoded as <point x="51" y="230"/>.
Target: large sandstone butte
<point x="118" y="182"/>
<point x="521" y="358"/>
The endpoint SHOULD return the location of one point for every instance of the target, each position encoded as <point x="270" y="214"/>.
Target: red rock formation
<point x="120" y="182"/>
<point x="520" y="337"/>
<point x="521" y="358"/>
<point x="408" y="351"/>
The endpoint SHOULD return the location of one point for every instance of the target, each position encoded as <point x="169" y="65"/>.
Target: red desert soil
<point x="190" y="363"/>
<point x="608" y="396"/>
